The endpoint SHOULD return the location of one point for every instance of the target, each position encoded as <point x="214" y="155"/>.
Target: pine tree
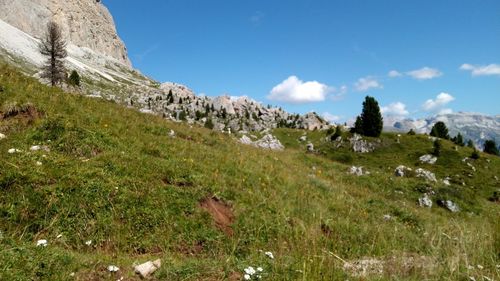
<point x="358" y="126"/>
<point x="372" y="122"/>
<point x="490" y="147"/>
<point x="470" y="144"/>
<point x="459" y="140"/>
<point x="53" y="47"/>
<point x="209" y="124"/>
<point x="439" y="130"/>
<point x="411" y="132"/>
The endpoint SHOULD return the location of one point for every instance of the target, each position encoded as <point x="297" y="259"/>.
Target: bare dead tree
<point x="53" y="47"/>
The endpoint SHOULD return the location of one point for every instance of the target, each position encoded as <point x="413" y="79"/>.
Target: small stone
<point x="2" y="136"/>
<point x="358" y="171"/>
<point x="400" y="171"/>
<point x="269" y="255"/>
<point x="387" y="217"/>
<point x="450" y="205"/>
<point x="147" y="268"/>
<point x="41" y="243"/>
<point x="88" y="243"/>
<point x="171" y="134"/>
<point x="303" y="138"/>
<point x="38" y="163"/>
<point x="113" y="268"/>
<point x="13" y="150"/>
<point x="35" y="148"/>
<point x="310" y="147"/>
<point x="425" y="201"/>
<point x="480" y="266"/>
<point x="446" y="181"/>
<point x="428" y="158"/>
<point x="421" y="173"/>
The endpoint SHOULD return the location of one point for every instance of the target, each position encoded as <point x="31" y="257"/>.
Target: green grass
<point x="115" y="177"/>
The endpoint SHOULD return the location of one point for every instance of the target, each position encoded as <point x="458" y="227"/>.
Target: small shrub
<point x="74" y="79"/>
<point x="411" y="132"/>
<point x="475" y="155"/>
<point x="437" y="148"/>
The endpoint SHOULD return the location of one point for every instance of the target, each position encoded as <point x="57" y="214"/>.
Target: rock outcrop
<point x="84" y="23"/>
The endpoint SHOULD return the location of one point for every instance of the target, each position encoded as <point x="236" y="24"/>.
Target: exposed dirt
<point x="221" y="213"/>
<point x="26" y="113"/>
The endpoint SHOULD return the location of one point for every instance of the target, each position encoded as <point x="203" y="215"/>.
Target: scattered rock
<point x="400" y="265"/>
<point x="421" y="173"/>
<point x="147" y="268"/>
<point x="246" y="140"/>
<point x="387" y="217"/>
<point x="358" y="171"/>
<point x="401" y="171"/>
<point x="268" y="141"/>
<point x="38" y="163"/>
<point x="359" y="145"/>
<point x="310" y="147"/>
<point x="113" y="268"/>
<point x="2" y="136"/>
<point x="13" y="150"/>
<point x="471" y="166"/>
<point x="303" y="138"/>
<point x="269" y="255"/>
<point x="171" y="134"/>
<point x="41" y="243"/>
<point x="271" y="142"/>
<point x="425" y="201"/>
<point x="450" y="205"/>
<point x="428" y="158"/>
<point x="446" y="181"/>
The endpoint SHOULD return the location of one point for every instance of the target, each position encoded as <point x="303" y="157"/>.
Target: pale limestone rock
<point x="147" y="268"/>
<point x="84" y="23"/>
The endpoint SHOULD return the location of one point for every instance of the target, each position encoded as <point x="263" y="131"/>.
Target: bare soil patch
<point x="220" y="212"/>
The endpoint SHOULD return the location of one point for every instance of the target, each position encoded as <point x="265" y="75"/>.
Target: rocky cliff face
<point x="85" y="23"/>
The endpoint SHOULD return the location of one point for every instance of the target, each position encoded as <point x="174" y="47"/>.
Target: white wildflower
<point x="13" y="150"/>
<point x="250" y="270"/>
<point x="88" y="243"/>
<point x="260" y="269"/>
<point x="41" y="243"/>
<point x="38" y="163"/>
<point x="2" y="136"/>
<point x="247" y="277"/>
<point x="113" y="268"/>
<point x="270" y="255"/>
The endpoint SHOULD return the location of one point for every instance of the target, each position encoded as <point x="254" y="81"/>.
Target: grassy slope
<point x="114" y="176"/>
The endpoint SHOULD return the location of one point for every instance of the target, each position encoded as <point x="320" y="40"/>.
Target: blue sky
<point x="323" y="55"/>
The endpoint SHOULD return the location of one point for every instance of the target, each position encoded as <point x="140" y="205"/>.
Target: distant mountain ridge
<point x="474" y="126"/>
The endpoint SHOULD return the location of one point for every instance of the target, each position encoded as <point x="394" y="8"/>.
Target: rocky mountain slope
<point x="474" y="126"/>
<point x="85" y="23"/>
<point x="98" y="54"/>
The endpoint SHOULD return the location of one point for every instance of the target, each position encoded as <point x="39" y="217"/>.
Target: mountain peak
<point x="84" y="23"/>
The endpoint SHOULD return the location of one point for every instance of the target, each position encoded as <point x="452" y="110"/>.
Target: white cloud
<point x="482" y="70"/>
<point x="438" y="105"/>
<point x="294" y="90"/>
<point x="394" y="74"/>
<point x="425" y="73"/>
<point x="395" y="109"/>
<point x="367" y="83"/>
<point x="331" y="118"/>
